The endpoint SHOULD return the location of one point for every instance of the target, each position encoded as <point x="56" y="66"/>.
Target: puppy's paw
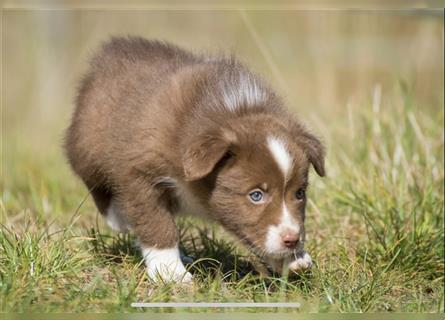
<point x="162" y="274"/>
<point x="302" y="262"/>
<point x="164" y="265"/>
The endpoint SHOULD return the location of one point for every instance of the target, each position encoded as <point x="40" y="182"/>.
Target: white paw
<point x="301" y="263"/>
<point x="166" y="274"/>
<point x="164" y="265"/>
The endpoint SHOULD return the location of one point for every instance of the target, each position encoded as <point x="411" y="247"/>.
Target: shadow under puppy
<point x="158" y="131"/>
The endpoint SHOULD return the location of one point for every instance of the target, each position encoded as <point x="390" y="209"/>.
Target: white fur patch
<point x="300" y="263"/>
<point x="280" y="153"/>
<point x="274" y="242"/>
<point x="244" y="90"/>
<point x="287" y="222"/>
<point x="165" y="265"/>
<point x="115" y="219"/>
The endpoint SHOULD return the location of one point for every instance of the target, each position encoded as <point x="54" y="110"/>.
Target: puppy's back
<point x="125" y="65"/>
<point x="122" y="74"/>
<point x="124" y="52"/>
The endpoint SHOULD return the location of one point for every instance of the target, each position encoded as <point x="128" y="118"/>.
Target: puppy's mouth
<point x="280" y="253"/>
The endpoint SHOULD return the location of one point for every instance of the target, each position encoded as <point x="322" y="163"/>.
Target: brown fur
<point x="148" y="110"/>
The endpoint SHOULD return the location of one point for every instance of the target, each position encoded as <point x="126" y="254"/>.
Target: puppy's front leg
<point x="301" y="261"/>
<point x="148" y="213"/>
<point x="295" y="263"/>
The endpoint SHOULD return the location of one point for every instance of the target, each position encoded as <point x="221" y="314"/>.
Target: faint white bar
<point x="215" y="305"/>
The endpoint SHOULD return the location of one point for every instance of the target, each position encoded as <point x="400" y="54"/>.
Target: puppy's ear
<point x="203" y="153"/>
<point x="315" y="151"/>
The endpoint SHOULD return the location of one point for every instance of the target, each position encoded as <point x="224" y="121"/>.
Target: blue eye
<point x="256" y="196"/>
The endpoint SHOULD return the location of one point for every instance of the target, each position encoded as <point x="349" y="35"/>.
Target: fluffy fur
<point x="158" y="131"/>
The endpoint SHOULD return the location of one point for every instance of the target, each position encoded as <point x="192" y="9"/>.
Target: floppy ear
<point x="315" y="152"/>
<point x="200" y="157"/>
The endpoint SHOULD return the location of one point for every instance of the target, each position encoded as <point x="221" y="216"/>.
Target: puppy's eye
<point x="256" y="196"/>
<point x="300" y="194"/>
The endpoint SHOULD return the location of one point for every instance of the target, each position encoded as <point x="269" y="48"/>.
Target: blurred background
<point x="325" y="63"/>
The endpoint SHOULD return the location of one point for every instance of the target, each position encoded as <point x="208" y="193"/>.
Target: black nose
<point x="290" y="240"/>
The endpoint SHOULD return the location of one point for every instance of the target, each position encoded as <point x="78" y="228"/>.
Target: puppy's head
<point x="255" y="175"/>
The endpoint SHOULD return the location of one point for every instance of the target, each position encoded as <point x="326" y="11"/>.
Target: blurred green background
<point x="325" y="63"/>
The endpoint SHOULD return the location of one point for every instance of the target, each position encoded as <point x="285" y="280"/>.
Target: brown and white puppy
<point x="158" y="131"/>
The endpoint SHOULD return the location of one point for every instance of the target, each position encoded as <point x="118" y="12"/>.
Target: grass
<point x="375" y="229"/>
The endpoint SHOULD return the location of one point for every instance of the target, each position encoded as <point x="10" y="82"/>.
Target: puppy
<point x="158" y="131"/>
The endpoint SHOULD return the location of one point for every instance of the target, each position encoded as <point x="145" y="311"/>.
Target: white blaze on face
<point x="280" y="154"/>
<point x="165" y="265"/>
<point x="287" y="223"/>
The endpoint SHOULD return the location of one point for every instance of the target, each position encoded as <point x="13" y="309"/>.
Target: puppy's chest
<point x="188" y="203"/>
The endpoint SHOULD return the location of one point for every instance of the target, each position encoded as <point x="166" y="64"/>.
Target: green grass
<point x="375" y="229"/>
